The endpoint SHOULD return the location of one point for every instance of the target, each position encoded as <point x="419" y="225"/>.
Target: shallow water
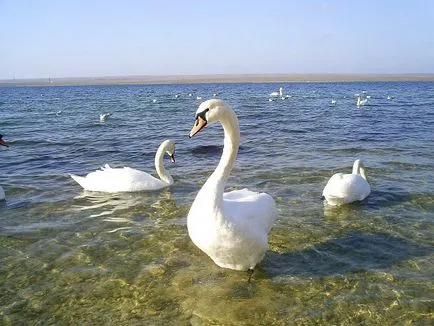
<point x="75" y="257"/>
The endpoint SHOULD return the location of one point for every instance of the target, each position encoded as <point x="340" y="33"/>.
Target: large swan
<point x="2" y="192"/>
<point x="346" y="188"/>
<point x="279" y="93"/>
<point x="127" y="179"/>
<point x="230" y="227"/>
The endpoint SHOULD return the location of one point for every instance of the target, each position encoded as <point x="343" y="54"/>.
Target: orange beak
<point x="198" y="126"/>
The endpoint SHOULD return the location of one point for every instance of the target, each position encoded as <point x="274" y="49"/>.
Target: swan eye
<point x="202" y="114"/>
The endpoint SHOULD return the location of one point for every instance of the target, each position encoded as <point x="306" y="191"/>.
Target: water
<point x="71" y="257"/>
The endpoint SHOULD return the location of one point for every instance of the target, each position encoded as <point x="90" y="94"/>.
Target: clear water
<point x="71" y="257"/>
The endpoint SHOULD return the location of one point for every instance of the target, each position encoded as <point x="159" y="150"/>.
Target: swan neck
<point x="159" y="166"/>
<point x="359" y="169"/>
<point x="230" y="150"/>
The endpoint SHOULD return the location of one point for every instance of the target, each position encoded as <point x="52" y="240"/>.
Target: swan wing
<point x="119" y="180"/>
<point x="250" y="210"/>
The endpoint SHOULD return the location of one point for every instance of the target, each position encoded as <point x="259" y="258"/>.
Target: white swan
<point x="104" y="117"/>
<point x="2" y="192"/>
<point x="360" y="101"/>
<point x="346" y="188"/>
<point x="127" y="179"/>
<point x="231" y="228"/>
<point x="279" y="93"/>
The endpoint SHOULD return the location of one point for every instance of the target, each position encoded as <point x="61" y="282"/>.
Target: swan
<point x="104" y="117"/>
<point x="279" y="93"/>
<point x="230" y="227"/>
<point x="333" y="102"/>
<point x="2" y="192"/>
<point x="346" y="188"/>
<point x="127" y="179"/>
<point x="360" y="101"/>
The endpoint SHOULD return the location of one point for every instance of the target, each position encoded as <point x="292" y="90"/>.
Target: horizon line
<point x="216" y="78"/>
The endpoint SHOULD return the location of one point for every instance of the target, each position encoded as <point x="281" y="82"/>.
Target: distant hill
<point x="219" y="78"/>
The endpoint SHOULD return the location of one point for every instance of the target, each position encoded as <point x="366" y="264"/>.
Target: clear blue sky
<point x="79" y="38"/>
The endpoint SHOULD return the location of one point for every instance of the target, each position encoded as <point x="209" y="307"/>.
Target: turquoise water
<point x="75" y="257"/>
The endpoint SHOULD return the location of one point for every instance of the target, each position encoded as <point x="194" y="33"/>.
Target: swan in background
<point x="126" y="179"/>
<point x="333" y="102"/>
<point x="279" y="93"/>
<point x="230" y="227"/>
<point x="361" y="101"/>
<point x="389" y="97"/>
<point x="103" y="117"/>
<point x="198" y="97"/>
<point x="2" y="192"/>
<point x="346" y="188"/>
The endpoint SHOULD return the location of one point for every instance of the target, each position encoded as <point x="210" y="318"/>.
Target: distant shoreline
<point x="207" y="79"/>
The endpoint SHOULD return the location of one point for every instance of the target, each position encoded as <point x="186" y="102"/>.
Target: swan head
<point x="169" y="147"/>
<point x="2" y="142"/>
<point x="209" y="112"/>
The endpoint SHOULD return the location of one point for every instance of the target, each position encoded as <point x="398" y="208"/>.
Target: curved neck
<point x="159" y="166"/>
<point x="359" y="169"/>
<point x="221" y="174"/>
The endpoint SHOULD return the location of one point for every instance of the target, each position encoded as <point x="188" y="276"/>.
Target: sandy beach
<point x="218" y="78"/>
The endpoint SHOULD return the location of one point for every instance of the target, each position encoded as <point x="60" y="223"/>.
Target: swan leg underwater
<point x="230" y="227"/>
<point x="126" y="179"/>
<point x="2" y="192"/>
<point x="347" y="188"/>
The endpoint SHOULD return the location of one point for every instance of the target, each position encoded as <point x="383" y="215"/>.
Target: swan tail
<point x="80" y="180"/>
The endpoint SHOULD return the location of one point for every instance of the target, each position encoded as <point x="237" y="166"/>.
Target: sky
<point x="85" y="38"/>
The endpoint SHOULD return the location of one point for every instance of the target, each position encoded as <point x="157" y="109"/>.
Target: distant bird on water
<point x="361" y="101"/>
<point x="279" y="93"/>
<point x="2" y="192"/>
<point x="103" y="117"/>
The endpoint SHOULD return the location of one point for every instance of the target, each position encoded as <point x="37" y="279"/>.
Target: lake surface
<point x="75" y="257"/>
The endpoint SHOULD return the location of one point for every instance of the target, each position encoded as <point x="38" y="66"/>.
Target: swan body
<point x="347" y="188"/>
<point x="361" y="101"/>
<point x="279" y="93"/>
<point x="230" y="227"/>
<point x="126" y="179"/>
<point x="104" y="117"/>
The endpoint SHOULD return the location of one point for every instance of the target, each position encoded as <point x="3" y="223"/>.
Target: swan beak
<point x="2" y="142"/>
<point x="172" y="158"/>
<point x="198" y="126"/>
